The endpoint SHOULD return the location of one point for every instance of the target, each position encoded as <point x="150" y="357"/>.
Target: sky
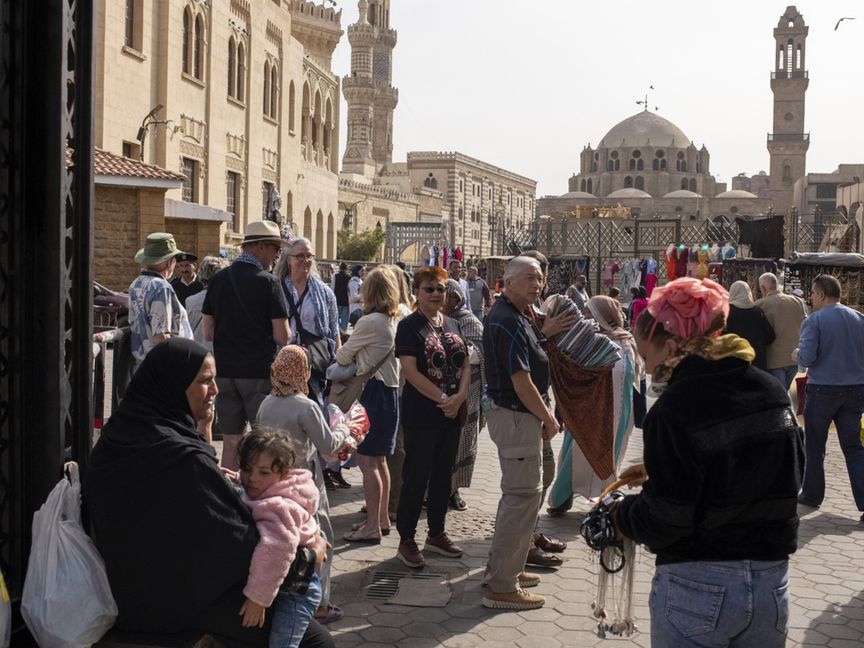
<point x="526" y="84"/>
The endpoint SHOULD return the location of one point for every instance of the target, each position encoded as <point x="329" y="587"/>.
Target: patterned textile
<point x="289" y="371"/>
<point x="319" y="313"/>
<point x="154" y="309"/>
<point x="470" y="330"/>
<point x="245" y="257"/>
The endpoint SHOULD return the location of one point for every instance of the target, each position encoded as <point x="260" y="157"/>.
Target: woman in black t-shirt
<point x="432" y="356"/>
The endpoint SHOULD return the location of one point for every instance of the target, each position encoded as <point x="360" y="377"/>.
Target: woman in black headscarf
<point x="175" y="535"/>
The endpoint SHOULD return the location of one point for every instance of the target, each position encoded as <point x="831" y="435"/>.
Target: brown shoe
<point x="529" y="580"/>
<point x="410" y="554"/>
<point x="518" y="600"/>
<point x="441" y="544"/>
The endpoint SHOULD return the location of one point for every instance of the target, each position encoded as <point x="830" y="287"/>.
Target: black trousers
<point x="429" y="457"/>
<point x="222" y="620"/>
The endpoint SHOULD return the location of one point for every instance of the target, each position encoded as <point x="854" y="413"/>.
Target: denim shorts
<point x="738" y="603"/>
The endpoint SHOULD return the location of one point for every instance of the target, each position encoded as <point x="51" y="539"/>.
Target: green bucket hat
<point x="158" y="247"/>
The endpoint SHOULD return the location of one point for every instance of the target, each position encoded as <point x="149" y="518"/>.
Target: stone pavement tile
<point x="827" y="590"/>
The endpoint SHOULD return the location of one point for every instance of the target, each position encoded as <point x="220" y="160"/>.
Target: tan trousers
<point x="518" y="438"/>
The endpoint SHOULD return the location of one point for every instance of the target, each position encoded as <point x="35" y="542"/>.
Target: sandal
<point x="546" y="543"/>
<point x="333" y="614"/>
<point x="385" y="531"/>
<point x="540" y="558"/>
<point x="372" y="536"/>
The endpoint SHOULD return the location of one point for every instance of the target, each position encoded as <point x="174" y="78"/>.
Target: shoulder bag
<point x="343" y="393"/>
<point x="317" y="348"/>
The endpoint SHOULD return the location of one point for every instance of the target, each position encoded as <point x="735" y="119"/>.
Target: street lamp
<point x="349" y="212"/>
<point x="492" y="220"/>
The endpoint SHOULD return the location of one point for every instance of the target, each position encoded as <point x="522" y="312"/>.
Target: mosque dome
<point x="577" y="194"/>
<point x="736" y="193"/>
<point x="645" y="128"/>
<point x="629" y="192"/>
<point x="682" y="193"/>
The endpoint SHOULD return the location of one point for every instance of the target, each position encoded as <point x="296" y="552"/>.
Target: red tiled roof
<point x="109" y="164"/>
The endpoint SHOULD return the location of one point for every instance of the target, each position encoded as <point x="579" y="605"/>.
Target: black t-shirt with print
<point x="440" y="354"/>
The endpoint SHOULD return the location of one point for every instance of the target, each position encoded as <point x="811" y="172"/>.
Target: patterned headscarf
<point x="289" y="372"/>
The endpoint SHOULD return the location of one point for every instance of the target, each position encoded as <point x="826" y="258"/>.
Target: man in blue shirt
<point x="832" y="349"/>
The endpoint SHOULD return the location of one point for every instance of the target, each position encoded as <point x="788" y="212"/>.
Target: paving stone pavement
<point x="827" y="580"/>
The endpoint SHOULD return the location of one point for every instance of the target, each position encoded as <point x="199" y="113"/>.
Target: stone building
<point x="236" y="96"/>
<point x="129" y="204"/>
<point x="788" y="143"/>
<point x="470" y="200"/>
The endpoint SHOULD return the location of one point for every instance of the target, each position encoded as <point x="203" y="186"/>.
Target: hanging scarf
<point x="607" y="313"/>
<point x="289" y="373"/>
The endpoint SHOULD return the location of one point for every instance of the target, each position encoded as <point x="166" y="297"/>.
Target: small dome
<point x="736" y="193"/>
<point x="682" y="193"/>
<point x="629" y="192"/>
<point x="577" y="194"/>
<point x="644" y="128"/>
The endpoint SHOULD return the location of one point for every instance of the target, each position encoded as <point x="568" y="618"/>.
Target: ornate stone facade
<point x="238" y="96"/>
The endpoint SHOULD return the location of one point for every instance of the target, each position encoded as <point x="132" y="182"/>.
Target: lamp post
<point x="492" y="220"/>
<point x="349" y="213"/>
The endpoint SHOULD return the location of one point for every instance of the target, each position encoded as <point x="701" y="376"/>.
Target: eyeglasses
<point x="433" y="289"/>
<point x="304" y="257"/>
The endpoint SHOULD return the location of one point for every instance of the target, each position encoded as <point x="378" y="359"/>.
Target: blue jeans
<point x="785" y="375"/>
<point x="291" y="614"/>
<point x="739" y="604"/>
<point x="843" y="405"/>
<point x="344" y="311"/>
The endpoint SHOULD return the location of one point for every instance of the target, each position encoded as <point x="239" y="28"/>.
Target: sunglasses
<point x="433" y="289"/>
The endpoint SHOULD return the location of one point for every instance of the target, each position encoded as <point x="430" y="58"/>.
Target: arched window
<point x="241" y="72"/>
<point x="693" y="185"/>
<point x="583" y="185"/>
<point x="331" y="237"/>
<point x="640" y="182"/>
<point x="617" y="165"/>
<point x="684" y="166"/>
<point x="655" y="164"/>
<point x="267" y="88"/>
<point x="291" y="107"/>
<point x="594" y="167"/>
<point x="187" y="40"/>
<point x="198" y="59"/>
<point x="640" y="164"/>
<point x="274" y="91"/>
<point x="232" y="66"/>
<point x="787" y="172"/>
<point x="684" y="183"/>
<point x="610" y="165"/>
<point x="632" y="165"/>
<point x="590" y="186"/>
<point x="663" y="164"/>
<point x="628" y="181"/>
<point x="307" y="223"/>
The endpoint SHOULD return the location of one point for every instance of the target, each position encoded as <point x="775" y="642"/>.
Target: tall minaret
<point x="788" y="144"/>
<point x="368" y="91"/>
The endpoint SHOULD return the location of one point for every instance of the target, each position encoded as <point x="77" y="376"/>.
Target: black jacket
<point x="752" y="325"/>
<point x="725" y="459"/>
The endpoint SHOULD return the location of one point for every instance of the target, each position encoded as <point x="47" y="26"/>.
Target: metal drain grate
<point x="383" y="583"/>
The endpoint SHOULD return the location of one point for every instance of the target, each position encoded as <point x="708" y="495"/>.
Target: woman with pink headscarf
<point x="723" y="467"/>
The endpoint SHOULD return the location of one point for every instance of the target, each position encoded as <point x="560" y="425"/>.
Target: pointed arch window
<point x="241" y="72"/>
<point x="628" y="181"/>
<point x="187" y="41"/>
<point x="232" y="66"/>
<point x="198" y="58"/>
<point x="292" y="100"/>
<point x="267" y="88"/>
<point x="274" y="91"/>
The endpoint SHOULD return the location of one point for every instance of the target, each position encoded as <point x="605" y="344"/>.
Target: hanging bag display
<point x="66" y="602"/>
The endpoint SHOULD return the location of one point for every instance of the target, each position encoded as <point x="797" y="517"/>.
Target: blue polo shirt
<point x="512" y="344"/>
<point x="832" y="346"/>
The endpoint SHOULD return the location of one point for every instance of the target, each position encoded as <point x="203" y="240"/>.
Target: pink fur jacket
<point x="285" y="517"/>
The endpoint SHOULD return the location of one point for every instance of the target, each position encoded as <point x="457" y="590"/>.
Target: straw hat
<point x="158" y="247"/>
<point x="263" y="230"/>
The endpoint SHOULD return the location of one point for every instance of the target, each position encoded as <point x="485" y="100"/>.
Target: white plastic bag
<point x="67" y="602"/>
<point x="5" y="615"/>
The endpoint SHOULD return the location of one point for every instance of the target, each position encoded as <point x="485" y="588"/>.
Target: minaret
<point x="368" y="91"/>
<point x="788" y="144"/>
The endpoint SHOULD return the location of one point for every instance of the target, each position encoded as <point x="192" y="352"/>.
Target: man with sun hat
<point x="155" y="312"/>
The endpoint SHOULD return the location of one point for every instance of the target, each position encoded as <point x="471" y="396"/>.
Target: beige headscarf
<point x="289" y="372"/>
<point x="740" y="295"/>
<point x="607" y="313"/>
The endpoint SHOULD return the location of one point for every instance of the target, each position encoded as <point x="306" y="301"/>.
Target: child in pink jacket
<point x="284" y="501"/>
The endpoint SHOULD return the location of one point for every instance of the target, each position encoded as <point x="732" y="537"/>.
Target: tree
<point x="363" y="246"/>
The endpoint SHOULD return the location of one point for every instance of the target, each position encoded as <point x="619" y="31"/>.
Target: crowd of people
<point x="249" y="348"/>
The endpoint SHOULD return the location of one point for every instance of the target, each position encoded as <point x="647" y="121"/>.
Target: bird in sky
<point x="841" y="20"/>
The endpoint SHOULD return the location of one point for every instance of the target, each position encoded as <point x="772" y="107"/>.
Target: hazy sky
<point x="525" y="85"/>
